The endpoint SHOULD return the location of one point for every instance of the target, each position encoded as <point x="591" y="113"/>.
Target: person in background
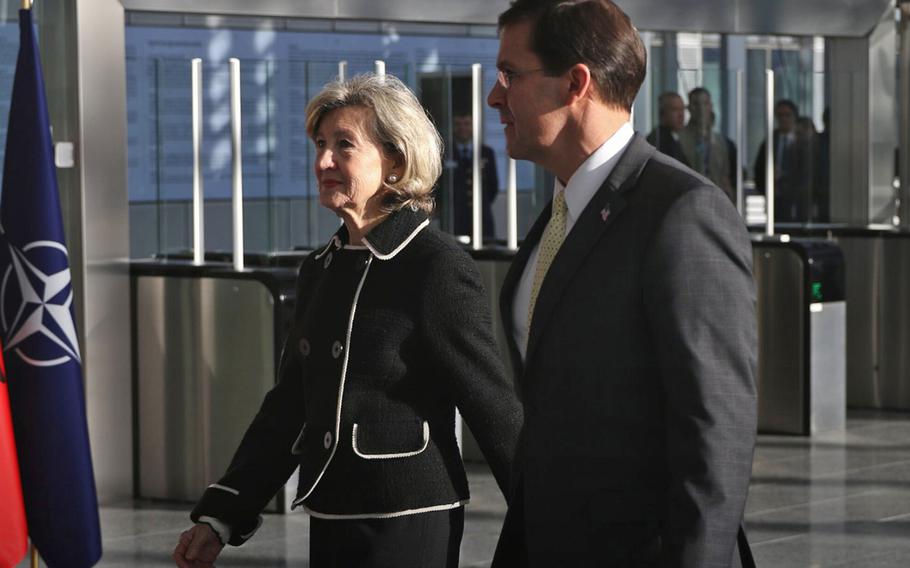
<point x="806" y="176"/>
<point x="463" y="191"/>
<point x="822" y="200"/>
<point x="391" y="331"/>
<point x="706" y="151"/>
<point x="672" y="118"/>
<point x="629" y="311"/>
<point x="784" y="163"/>
<point x="731" y="154"/>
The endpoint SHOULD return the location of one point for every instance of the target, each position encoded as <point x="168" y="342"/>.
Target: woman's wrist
<point x="221" y="529"/>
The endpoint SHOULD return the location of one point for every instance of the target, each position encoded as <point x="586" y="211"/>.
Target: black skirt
<point x="423" y="540"/>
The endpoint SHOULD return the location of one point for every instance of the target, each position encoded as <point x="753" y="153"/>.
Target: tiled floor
<point x="840" y="499"/>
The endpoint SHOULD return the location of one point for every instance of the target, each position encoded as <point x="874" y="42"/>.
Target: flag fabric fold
<point x="14" y="542"/>
<point x="41" y="350"/>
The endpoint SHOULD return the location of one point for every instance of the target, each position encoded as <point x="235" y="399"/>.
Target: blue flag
<point x="44" y="370"/>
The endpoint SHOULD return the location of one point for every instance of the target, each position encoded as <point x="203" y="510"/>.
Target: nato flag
<point x="43" y="364"/>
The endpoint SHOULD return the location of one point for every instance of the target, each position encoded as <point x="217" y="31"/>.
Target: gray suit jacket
<point x="639" y="380"/>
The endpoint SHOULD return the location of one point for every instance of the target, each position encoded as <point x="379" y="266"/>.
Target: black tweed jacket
<point x="388" y="339"/>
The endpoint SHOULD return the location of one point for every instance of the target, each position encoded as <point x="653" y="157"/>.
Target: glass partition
<point x="283" y="69"/>
<point x="9" y="50"/>
<point x="708" y="64"/>
<point x="281" y="209"/>
<point x="447" y="97"/>
<point x="280" y="197"/>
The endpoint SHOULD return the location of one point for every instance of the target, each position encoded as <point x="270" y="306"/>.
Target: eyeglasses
<point x="506" y="76"/>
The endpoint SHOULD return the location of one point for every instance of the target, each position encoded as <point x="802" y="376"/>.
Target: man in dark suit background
<point x="672" y="119"/>
<point x="463" y="149"/>
<point x="629" y="311"/>
<point x="787" y="201"/>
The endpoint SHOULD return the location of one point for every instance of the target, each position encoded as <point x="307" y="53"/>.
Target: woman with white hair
<point x="391" y="332"/>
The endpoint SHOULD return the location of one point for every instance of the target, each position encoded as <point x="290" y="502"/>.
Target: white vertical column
<point x="379" y="67"/>
<point x="342" y="70"/>
<point x="512" y="206"/>
<point x="96" y="210"/>
<point x="818" y="80"/>
<point x="198" y="193"/>
<point x="236" y="164"/>
<point x="690" y="51"/>
<point x="903" y="77"/>
<point x="477" y="137"/>
<point x="770" y="151"/>
<point x="733" y="57"/>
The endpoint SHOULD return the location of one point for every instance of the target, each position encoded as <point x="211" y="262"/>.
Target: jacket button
<point x="304" y="346"/>
<point x="327" y="441"/>
<point x="327" y="261"/>
<point x="337" y="348"/>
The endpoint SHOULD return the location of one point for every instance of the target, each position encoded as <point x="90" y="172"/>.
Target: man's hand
<point x="198" y="547"/>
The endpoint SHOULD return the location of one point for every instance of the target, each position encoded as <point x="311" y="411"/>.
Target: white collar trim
<point x="335" y="242"/>
<point x="400" y="247"/>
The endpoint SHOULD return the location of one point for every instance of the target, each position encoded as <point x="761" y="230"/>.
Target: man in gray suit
<point x="630" y="316"/>
<point x="707" y="151"/>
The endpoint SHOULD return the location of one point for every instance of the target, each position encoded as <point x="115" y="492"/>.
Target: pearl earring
<point x="392" y="178"/>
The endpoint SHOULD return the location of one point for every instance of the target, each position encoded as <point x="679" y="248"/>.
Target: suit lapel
<point x="601" y="212"/>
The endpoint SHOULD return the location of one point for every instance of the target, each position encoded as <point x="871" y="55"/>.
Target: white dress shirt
<point x="582" y="186"/>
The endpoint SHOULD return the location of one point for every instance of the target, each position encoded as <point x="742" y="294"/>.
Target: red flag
<point x="12" y="513"/>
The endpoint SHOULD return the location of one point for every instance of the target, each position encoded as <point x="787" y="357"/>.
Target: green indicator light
<point x="817" y="291"/>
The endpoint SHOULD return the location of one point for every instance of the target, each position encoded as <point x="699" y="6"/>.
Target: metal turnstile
<point x="878" y="312"/>
<point x="878" y="317"/>
<point x="206" y="343"/>
<point x="801" y="315"/>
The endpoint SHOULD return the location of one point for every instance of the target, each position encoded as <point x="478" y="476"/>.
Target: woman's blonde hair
<point x="400" y="126"/>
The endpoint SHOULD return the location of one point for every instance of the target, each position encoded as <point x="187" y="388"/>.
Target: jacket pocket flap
<point x="386" y="440"/>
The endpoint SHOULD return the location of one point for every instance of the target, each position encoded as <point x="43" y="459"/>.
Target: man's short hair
<point x="596" y="33"/>
<point x="699" y="91"/>
<point x="665" y="98"/>
<point x="789" y="104"/>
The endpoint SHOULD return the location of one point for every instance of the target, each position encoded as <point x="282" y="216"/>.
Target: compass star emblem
<point x="35" y="305"/>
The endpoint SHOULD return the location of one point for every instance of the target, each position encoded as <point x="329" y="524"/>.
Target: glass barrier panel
<point x="446" y="93"/>
<point x="170" y="158"/>
<point x="257" y="105"/>
<point x="9" y="51"/>
<point x="142" y="182"/>
<point x="309" y="224"/>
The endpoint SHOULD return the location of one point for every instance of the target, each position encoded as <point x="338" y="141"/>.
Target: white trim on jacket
<point x="230" y="490"/>
<point x="430" y="509"/>
<point x="426" y="442"/>
<point x="344" y="372"/>
<point x="400" y="247"/>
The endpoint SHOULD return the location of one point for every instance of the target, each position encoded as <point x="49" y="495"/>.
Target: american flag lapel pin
<point x="605" y="212"/>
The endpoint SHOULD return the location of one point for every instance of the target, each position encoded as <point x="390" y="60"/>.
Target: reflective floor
<point x="842" y="499"/>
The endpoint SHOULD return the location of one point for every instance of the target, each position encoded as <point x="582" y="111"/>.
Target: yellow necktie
<point x="550" y="241"/>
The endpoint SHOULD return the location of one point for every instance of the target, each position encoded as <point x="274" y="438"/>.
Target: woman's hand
<point x="198" y="547"/>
